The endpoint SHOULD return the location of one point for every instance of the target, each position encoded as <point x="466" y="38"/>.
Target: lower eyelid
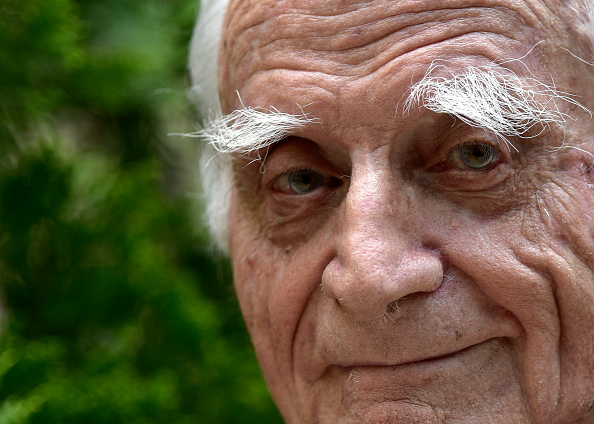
<point x="458" y="180"/>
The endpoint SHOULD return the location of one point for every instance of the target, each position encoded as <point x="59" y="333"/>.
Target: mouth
<point x="455" y="369"/>
<point x="421" y="360"/>
<point x="419" y="385"/>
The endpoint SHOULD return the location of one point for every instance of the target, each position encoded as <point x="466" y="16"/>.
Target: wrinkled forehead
<point x="331" y="44"/>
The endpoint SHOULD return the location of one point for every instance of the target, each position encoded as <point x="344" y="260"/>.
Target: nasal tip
<point x="368" y="293"/>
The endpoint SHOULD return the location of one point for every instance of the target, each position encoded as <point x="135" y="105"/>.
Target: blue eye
<point x="303" y="181"/>
<point x="474" y="156"/>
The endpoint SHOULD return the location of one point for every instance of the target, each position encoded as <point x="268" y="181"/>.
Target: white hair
<point x="215" y="170"/>
<point x="505" y="104"/>
<point x="204" y="53"/>
<point x="502" y="103"/>
<point x="247" y="130"/>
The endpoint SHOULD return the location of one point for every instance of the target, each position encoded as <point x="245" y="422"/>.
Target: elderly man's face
<point x="403" y="267"/>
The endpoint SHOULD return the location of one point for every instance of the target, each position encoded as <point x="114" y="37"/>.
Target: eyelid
<point x="328" y="181"/>
<point x="443" y="176"/>
<point x="458" y="149"/>
<point x="287" y="172"/>
<point x="294" y="155"/>
<point x="449" y="145"/>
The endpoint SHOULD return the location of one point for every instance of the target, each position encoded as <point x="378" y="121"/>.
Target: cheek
<point x="505" y="260"/>
<point x="566" y="212"/>
<point x="571" y="265"/>
<point x="256" y="282"/>
<point x="537" y="263"/>
<point x="256" y="276"/>
<point x="585" y="194"/>
<point x="274" y="287"/>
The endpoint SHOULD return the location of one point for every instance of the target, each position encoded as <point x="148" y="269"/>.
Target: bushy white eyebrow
<point x="242" y="131"/>
<point x="247" y="130"/>
<point x="499" y="102"/>
<point x="505" y="104"/>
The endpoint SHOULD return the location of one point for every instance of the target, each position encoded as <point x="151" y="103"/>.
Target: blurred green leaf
<point x="112" y="309"/>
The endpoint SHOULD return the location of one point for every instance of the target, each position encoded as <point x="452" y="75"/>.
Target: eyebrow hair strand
<point x="505" y="104"/>
<point x="247" y="130"/>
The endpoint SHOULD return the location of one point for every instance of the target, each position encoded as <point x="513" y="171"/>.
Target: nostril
<point x="392" y="308"/>
<point x="370" y="287"/>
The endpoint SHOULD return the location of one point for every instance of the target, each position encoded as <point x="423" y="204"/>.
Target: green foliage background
<point x="113" y="311"/>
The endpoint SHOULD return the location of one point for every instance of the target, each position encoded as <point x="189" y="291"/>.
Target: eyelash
<point x="448" y="163"/>
<point x="464" y="160"/>
<point x="326" y="181"/>
<point x="484" y="148"/>
<point x="285" y="174"/>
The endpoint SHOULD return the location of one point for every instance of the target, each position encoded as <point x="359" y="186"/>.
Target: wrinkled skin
<point x="404" y="289"/>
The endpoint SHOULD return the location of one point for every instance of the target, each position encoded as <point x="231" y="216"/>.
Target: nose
<point x="381" y="256"/>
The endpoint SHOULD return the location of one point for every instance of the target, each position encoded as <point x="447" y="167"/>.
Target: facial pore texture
<point x="395" y="261"/>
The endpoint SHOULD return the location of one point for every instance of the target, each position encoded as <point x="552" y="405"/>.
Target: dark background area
<point x="112" y="308"/>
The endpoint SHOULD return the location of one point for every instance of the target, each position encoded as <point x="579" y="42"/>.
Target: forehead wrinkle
<point x="333" y="49"/>
<point x="389" y="43"/>
<point x="333" y="34"/>
<point x="293" y="23"/>
<point x="385" y="64"/>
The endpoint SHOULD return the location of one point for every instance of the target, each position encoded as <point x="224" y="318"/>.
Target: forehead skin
<point x="343" y="42"/>
<point x="516" y="260"/>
